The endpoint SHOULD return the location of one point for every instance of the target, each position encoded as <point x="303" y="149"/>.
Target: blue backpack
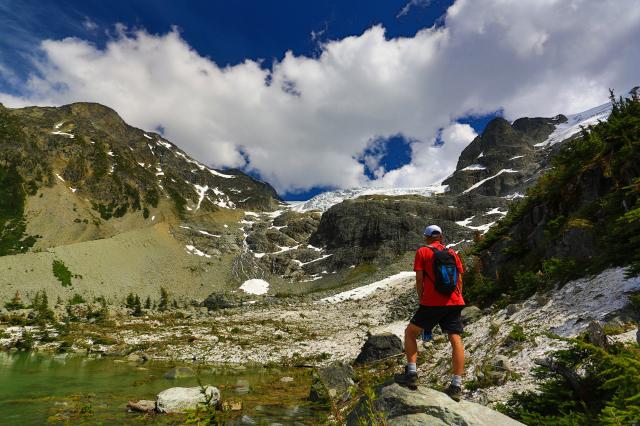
<point x="445" y="271"/>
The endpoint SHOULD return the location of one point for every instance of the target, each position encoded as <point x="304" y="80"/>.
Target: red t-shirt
<point x="431" y="296"/>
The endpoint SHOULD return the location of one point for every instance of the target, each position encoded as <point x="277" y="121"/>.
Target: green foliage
<point x="26" y="342"/>
<point x="164" y="299"/>
<point x="130" y="301"/>
<point x="145" y="213"/>
<point x="12" y="224"/>
<point x="516" y="334"/>
<point x="147" y="303"/>
<point x="76" y="299"/>
<point x="40" y="306"/>
<point x="592" y="185"/>
<point x="62" y="273"/>
<point x="152" y="197"/>
<point x="584" y="385"/>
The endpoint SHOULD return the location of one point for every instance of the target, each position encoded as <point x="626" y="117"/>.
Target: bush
<point x="583" y="385"/>
<point x="62" y="273"/>
<point x="26" y="342"/>
<point x="76" y="299"/>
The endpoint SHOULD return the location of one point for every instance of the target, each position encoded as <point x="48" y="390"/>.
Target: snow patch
<point x="474" y="167"/>
<point x="147" y="136"/>
<point x="69" y="135"/>
<point x="59" y="177"/>
<point x="576" y="122"/>
<point x="255" y="286"/>
<point x="364" y="291"/>
<point x="193" y="250"/>
<point x="488" y="179"/>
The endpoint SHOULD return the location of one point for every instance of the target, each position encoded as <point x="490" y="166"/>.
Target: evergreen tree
<point x="137" y="307"/>
<point x="164" y="300"/>
<point x="147" y="303"/>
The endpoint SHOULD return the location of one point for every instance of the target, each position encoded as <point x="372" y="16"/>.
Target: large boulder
<point x="402" y="406"/>
<point x="217" y="301"/>
<point x="333" y="382"/>
<point x="379" y="346"/>
<point x="471" y="314"/>
<point x="180" y="400"/>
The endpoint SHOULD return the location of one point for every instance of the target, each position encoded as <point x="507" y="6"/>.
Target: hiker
<point x="439" y="286"/>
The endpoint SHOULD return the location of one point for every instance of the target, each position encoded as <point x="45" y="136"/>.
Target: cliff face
<point x="580" y="217"/>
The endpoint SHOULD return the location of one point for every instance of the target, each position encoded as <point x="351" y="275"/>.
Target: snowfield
<point x="367" y="290"/>
<point x="326" y="200"/>
<point x="255" y="286"/>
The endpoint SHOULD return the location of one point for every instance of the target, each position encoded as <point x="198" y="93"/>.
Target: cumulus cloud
<point x="303" y="122"/>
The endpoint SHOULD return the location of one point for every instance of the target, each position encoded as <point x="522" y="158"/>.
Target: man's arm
<point x="419" y="278"/>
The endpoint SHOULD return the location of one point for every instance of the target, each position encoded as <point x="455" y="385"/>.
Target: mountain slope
<point x="582" y="216"/>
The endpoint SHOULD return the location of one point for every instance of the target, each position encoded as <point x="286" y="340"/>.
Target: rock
<point x="418" y="419"/>
<point x="542" y="299"/>
<point x="379" y="346"/>
<point x="402" y="406"/>
<point x="142" y="406"/>
<point x="596" y="336"/>
<point x="471" y="314"/>
<point x="286" y="379"/>
<point x="179" y="373"/>
<point x="501" y="362"/>
<point x="134" y="358"/>
<point x="333" y="382"/>
<point x="220" y="301"/>
<point x="179" y="400"/>
<point x="512" y="309"/>
<point x="638" y="336"/>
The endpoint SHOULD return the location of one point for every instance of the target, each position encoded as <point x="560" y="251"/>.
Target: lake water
<point x="38" y="388"/>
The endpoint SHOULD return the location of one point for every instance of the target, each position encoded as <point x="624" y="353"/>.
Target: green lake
<point x="38" y="388"/>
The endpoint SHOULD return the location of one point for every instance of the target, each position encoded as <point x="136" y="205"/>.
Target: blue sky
<point x="372" y="93"/>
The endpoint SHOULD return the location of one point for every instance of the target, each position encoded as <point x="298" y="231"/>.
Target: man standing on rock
<point x="439" y="286"/>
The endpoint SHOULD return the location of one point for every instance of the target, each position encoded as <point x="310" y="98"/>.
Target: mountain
<point x="581" y="217"/>
<point x="116" y="205"/>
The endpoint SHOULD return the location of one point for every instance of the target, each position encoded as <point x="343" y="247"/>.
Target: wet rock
<point x="402" y="406"/>
<point x="142" y="406"/>
<point x="179" y="400"/>
<point x="471" y="314"/>
<point x="179" y="373"/>
<point x="379" y="346"/>
<point x="333" y="382"/>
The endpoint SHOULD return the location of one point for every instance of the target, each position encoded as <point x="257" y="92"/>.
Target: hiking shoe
<point x="454" y="392"/>
<point x="408" y="378"/>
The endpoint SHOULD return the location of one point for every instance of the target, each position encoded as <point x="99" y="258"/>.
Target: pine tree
<point x="164" y="300"/>
<point x="147" y="303"/>
<point x="137" y="308"/>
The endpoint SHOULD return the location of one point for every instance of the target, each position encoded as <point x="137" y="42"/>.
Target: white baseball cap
<point x="432" y="229"/>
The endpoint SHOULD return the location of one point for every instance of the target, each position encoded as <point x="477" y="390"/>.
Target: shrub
<point x="26" y="342"/>
<point x="62" y="273"/>
<point x="76" y="299"/>
<point x="583" y="385"/>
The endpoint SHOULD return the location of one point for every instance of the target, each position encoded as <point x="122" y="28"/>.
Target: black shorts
<point x="448" y="317"/>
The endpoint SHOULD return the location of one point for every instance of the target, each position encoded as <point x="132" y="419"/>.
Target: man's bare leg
<point x="457" y="360"/>
<point x="457" y="363"/>
<point x="410" y="344"/>
<point x="410" y="376"/>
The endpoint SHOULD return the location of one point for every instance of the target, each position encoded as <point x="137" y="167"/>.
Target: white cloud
<point x="304" y="129"/>
<point x="89" y="25"/>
